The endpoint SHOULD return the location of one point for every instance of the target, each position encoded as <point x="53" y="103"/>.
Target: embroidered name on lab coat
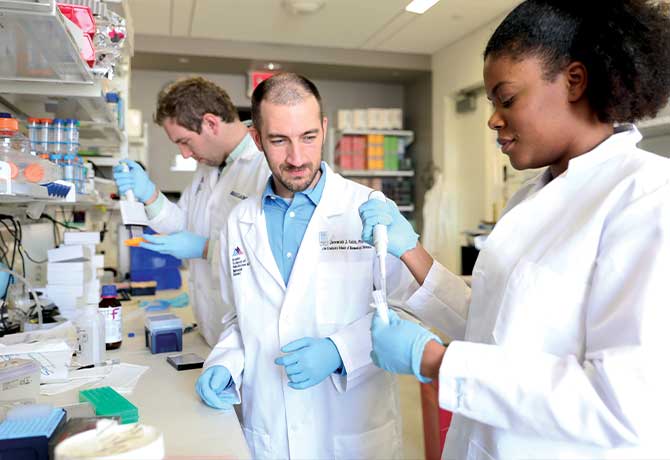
<point x="345" y="245"/>
<point x="238" y="261"/>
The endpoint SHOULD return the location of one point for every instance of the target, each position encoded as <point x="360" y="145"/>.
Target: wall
<point x="456" y="68"/>
<point x="336" y="95"/>
<point x="418" y="116"/>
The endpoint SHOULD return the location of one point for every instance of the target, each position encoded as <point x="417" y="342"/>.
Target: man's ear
<point x="577" y="79"/>
<point x="212" y="123"/>
<point x="256" y="136"/>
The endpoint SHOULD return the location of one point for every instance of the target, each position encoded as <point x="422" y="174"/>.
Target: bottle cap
<point x="109" y="290"/>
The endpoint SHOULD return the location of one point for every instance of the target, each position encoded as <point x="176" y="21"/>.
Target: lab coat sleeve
<point x="172" y="217"/>
<point x="617" y="395"/>
<point x="442" y="302"/>
<point x="229" y="351"/>
<point x="354" y="344"/>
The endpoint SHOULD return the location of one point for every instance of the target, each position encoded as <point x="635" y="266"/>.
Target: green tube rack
<point x="107" y="402"/>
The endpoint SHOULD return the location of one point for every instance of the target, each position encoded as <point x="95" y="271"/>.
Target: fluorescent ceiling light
<point x="420" y="6"/>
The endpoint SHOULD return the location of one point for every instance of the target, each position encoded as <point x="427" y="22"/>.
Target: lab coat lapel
<point x="308" y="255"/>
<point x="254" y="234"/>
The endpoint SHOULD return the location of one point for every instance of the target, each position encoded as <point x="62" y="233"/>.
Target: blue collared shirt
<point x="287" y="221"/>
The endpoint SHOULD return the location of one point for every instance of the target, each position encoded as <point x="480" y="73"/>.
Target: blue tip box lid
<point x="163" y="322"/>
<point x="31" y="427"/>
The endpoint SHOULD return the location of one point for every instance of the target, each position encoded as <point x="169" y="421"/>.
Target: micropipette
<point x="380" y="240"/>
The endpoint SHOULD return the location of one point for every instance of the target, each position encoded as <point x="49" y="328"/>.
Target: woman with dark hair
<point x="560" y="347"/>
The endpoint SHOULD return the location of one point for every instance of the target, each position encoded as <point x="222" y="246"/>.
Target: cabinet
<point x="378" y="159"/>
<point x="42" y="74"/>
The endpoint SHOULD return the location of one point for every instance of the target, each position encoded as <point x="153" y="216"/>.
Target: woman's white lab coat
<point x="203" y="209"/>
<point x="562" y="347"/>
<point x="328" y="295"/>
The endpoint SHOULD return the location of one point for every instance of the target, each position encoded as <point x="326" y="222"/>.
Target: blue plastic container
<point x="163" y="333"/>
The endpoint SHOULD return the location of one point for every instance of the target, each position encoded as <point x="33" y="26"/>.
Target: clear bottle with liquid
<point x="113" y="312"/>
<point x="90" y="324"/>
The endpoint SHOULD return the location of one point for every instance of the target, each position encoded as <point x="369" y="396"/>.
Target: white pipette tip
<point x="381" y="305"/>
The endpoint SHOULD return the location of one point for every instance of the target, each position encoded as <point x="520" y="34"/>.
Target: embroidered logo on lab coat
<point x="238" y="261"/>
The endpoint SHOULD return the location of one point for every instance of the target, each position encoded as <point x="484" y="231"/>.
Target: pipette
<point x="380" y="240"/>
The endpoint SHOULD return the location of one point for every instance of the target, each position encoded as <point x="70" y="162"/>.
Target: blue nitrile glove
<point x="309" y="361"/>
<point x="182" y="245"/>
<point x="401" y="235"/>
<point x="398" y="347"/>
<point x="136" y="179"/>
<point x="211" y="387"/>
<point x="4" y="282"/>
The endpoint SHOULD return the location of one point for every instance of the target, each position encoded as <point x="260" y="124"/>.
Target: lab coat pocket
<point x="344" y="286"/>
<point x="542" y="310"/>
<point x="259" y="444"/>
<point x="382" y="443"/>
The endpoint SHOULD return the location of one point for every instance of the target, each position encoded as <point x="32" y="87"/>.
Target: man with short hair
<point x="201" y="119"/>
<point x="300" y="280"/>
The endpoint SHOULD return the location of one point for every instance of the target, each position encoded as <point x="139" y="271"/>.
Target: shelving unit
<point x="42" y="74"/>
<point x="367" y="175"/>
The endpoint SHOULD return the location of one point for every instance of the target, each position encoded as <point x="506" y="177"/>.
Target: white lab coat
<point x="328" y="295"/>
<point x="203" y="209"/>
<point x="562" y="348"/>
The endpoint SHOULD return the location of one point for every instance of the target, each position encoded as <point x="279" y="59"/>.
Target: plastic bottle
<point x="90" y="324"/>
<point x="58" y="138"/>
<point x="78" y="174"/>
<point x="113" y="311"/>
<point x="115" y="102"/>
<point x="69" y="168"/>
<point x="57" y="159"/>
<point x="72" y="136"/>
<point x="47" y="135"/>
<point x="14" y="147"/>
<point x="35" y="135"/>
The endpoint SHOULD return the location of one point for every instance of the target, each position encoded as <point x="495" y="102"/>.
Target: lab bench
<point x="166" y="398"/>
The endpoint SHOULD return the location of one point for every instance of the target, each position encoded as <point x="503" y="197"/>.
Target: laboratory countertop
<point x="166" y="398"/>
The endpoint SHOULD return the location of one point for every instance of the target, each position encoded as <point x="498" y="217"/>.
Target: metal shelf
<point x="659" y="126"/>
<point x="408" y="135"/>
<point x="374" y="173"/>
<point x="41" y="70"/>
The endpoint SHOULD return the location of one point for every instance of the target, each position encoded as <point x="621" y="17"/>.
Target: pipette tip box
<point x="28" y="438"/>
<point x="163" y="333"/>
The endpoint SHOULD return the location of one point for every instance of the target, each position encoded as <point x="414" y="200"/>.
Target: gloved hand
<point x="211" y="386"/>
<point x="309" y="361"/>
<point x="182" y="245"/>
<point x="135" y="179"/>
<point x="401" y="235"/>
<point x="4" y="282"/>
<point x="398" y="346"/>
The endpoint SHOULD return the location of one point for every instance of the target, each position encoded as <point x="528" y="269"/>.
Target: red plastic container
<point x="80" y="15"/>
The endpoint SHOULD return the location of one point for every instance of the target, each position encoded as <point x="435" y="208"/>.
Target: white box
<point x="373" y="118"/>
<point x="86" y="238"/>
<point x="92" y="291"/>
<point x="71" y="278"/>
<point x="360" y="119"/>
<point x="69" y="254"/>
<point x="345" y="119"/>
<point x="396" y="119"/>
<point x="98" y="261"/>
<point x="385" y="119"/>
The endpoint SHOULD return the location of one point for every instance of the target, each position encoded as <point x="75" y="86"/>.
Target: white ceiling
<point x="373" y="25"/>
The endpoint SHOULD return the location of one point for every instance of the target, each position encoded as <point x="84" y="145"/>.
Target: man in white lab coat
<point x="200" y="118"/>
<point x="300" y="279"/>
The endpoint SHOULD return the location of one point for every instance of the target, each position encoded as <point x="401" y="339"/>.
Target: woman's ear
<point x="577" y="80"/>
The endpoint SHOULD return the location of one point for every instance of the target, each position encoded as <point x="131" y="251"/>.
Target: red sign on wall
<point x="256" y="77"/>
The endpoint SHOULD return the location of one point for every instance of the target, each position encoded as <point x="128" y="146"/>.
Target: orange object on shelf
<point x="34" y="172"/>
<point x="134" y="242"/>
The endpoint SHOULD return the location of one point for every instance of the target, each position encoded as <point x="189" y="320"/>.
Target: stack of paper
<point x="73" y="273"/>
